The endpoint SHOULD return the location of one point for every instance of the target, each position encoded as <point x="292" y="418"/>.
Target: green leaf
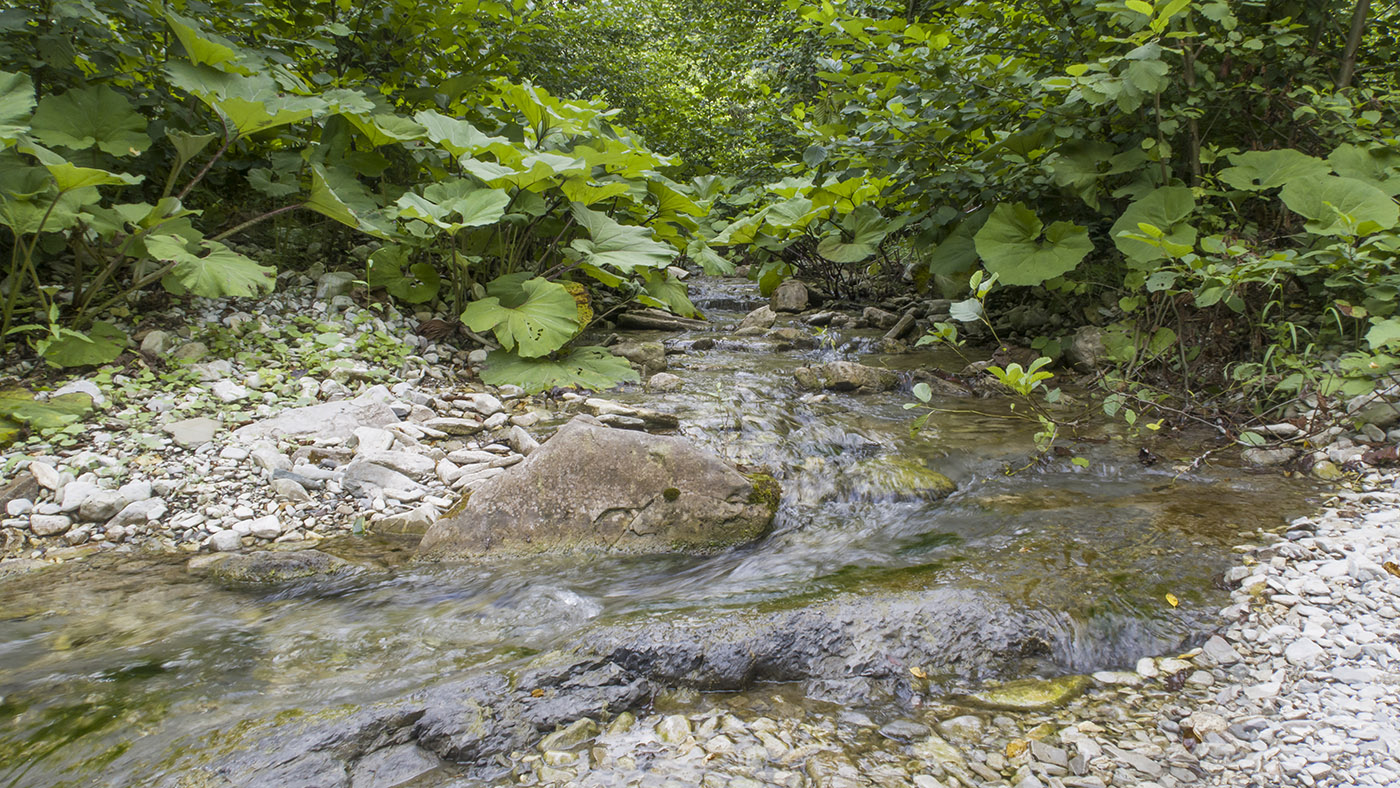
<point x="457" y="137"/>
<point x="1167" y="209"/>
<point x="95" y="117"/>
<point x="69" y="177"/>
<point x="20" y="407"/>
<point x="219" y="272"/>
<point x="1270" y="169"/>
<point x="1013" y="246"/>
<point x="98" y="345"/>
<point x="708" y="259"/>
<point x="386" y="270"/>
<point x="1379" y="166"/>
<point x="29" y="202"/>
<point x="814" y="155"/>
<point x="1383" y="333"/>
<point x="583" y="191"/>
<point x="1340" y="206"/>
<point x="588" y="367"/>
<point x="619" y="246"/>
<point x="966" y="311"/>
<point x="866" y="228"/>
<point x="16" y="103"/>
<point x="669" y="292"/>
<point x="542" y="324"/>
<point x="204" y="48"/>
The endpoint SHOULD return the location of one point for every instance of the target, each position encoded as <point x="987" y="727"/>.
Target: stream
<point x="126" y="669"/>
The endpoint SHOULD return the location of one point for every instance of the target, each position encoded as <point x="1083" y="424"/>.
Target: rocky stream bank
<point x="250" y="473"/>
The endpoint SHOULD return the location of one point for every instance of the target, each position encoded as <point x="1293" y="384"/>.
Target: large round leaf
<point x="95" y="117"/>
<point x="1013" y="246"/>
<point x="419" y="285"/>
<point x="16" y="102"/>
<point x="1167" y="209"/>
<point x="219" y="272"/>
<point x="1378" y="166"/>
<point x="1340" y="206"/>
<point x="623" y="247"/>
<point x="1269" y="169"/>
<point x="98" y="345"/>
<point x="541" y="324"/>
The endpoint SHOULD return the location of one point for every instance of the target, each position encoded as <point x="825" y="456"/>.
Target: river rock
<point x="193" y="433"/>
<point x="267" y="566"/>
<point x="325" y="421"/>
<point x="878" y="317"/>
<point x="790" y="296"/>
<point x="657" y="320"/>
<point x="899" y="479"/>
<point x="1264" y="458"/>
<point x="762" y="318"/>
<point x="648" y="357"/>
<point x="664" y="381"/>
<point x="1087" y="349"/>
<point x="49" y="524"/>
<point x="845" y="376"/>
<point x="1030" y="694"/>
<point x="590" y="487"/>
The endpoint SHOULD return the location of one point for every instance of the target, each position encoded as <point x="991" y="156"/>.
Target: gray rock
<point x="1262" y="457"/>
<point x="101" y="506"/>
<point x="898" y="330"/>
<point x="156" y="344"/>
<point x="484" y="404"/>
<point x="648" y="357"/>
<point x="75" y="493"/>
<point x="325" y="421"/>
<point x="416" y="466"/>
<point x="845" y="376"/>
<point x="878" y="317"/>
<point x="521" y="441"/>
<point x="139" y="512"/>
<point x="904" y="730"/>
<point x="334" y="283"/>
<point x="193" y="433"/>
<point x="190" y="352"/>
<point x="226" y="540"/>
<point x="361" y="474"/>
<point x="270" y="459"/>
<point x="268" y="566"/>
<point x="415" y="521"/>
<point x="664" y="381"/>
<point x="1086" y="351"/>
<point x="594" y="488"/>
<point x="49" y="524"/>
<point x="673" y="729"/>
<point x="17" y="507"/>
<point x="394" y="766"/>
<point x="967" y="727"/>
<point x="762" y="318"/>
<point x="1218" y="651"/>
<point x="657" y="320"/>
<point x="82" y="387"/>
<point x="1302" y="652"/>
<point x="454" y="426"/>
<point x="790" y="296"/>
<point x="229" y="391"/>
<point x="290" y="490"/>
<point x="371" y="439"/>
<point x="577" y="734"/>
<point x="266" y="527"/>
<point x="46" y="475"/>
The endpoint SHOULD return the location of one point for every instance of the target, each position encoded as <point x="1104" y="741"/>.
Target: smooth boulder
<point x="845" y="376"/>
<point x="592" y="488"/>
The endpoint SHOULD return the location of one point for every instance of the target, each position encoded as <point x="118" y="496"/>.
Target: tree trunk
<point x="1358" y="28"/>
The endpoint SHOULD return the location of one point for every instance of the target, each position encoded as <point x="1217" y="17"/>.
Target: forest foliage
<point x="1210" y="183"/>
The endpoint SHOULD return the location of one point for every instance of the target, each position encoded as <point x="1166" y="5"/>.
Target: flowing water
<point x="112" y="668"/>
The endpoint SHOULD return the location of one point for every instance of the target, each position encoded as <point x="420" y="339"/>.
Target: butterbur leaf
<point x="16" y="103"/>
<point x="204" y="48"/>
<point x="1166" y="209"/>
<point x="95" y="117"/>
<point x="457" y="137"/>
<point x="1019" y="249"/>
<point x="1340" y="206"/>
<point x="1270" y="169"/>
<point x="98" y="345"/>
<point x="1378" y="166"/>
<point x="588" y="367"/>
<point x="219" y="272"/>
<point x="420" y="284"/>
<point x="708" y="259"/>
<point x="619" y="246"/>
<point x="19" y="407"/>
<point x="546" y="320"/>
<point x="670" y="293"/>
<point x="1383" y="333"/>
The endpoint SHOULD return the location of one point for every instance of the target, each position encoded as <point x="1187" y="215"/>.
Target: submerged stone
<point x="594" y="488"/>
<point x="898" y="478"/>
<point x="1031" y="694"/>
<point x="845" y="376"/>
<point x="268" y="566"/>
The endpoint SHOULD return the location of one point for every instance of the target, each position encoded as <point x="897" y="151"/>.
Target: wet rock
<point x="590" y="487"/>
<point x="193" y="433"/>
<point x="899" y="329"/>
<point x="648" y="357"/>
<point x="225" y="540"/>
<point x="845" y="376"/>
<point x="664" y="381"/>
<point x="454" y="426"/>
<point x="46" y="475"/>
<point x="899" y="479"/>
<point x="415" y="521"/>
<point x="649" y="419"/>
<point x="761" y="318"/>
<point x="1030" y="694"/>
<point x="1263" y="458"/>
<point x="656" y="320"/>
<point x="575" y="735"/>
<point x="878" y="318"/>
<point x="325" y="421"/>
<point x="673" y="729"/>
<point x="904" y="730"/>
<point x="49" y="524"/>
<point x="394" y="766"/>
<point x="268" y="566"/>
<point x="790" y="296"/>
<point x="789" y="338"/>
<point x="1327" y="471"/>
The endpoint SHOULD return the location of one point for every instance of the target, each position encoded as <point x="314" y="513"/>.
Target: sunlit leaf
<point x="546" y="320"/>
<point x="218" y="272"/>
<point x="95" y="117"/>
<point x="588" y="367"/>
<point x="1016" y="246"/>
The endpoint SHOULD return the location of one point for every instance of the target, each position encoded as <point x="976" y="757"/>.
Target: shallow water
<point x="115" y="666"/>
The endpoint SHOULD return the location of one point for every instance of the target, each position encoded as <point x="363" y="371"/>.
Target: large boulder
<point x="845" y="376"/>
<point x="790" y="296"/>
<point x="327" y="420"/>
<point x="594" y="488"/>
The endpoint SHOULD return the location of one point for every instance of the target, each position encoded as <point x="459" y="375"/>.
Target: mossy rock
<point x="1030" y="694"/>
<point x="269" y="567"/>
<point x="899" y="479"/>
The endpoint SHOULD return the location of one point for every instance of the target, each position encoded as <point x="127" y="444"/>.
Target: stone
<point x="393" y="766"/>
<point x="101" y="506"/>
<point x="268" y="527"/>
<point x="593" y="488"/>
<point x="49" y="524"/>
<point x="673" y="729"/>
<point x="575" y="735"/>
<point x="156" y="343"/>
<point x="190" y="352"/>
<point x="371" y="439"/>
<point x="268" y="566"/>
<point x="75" y="494"/>
<point x="879" y="318"/>
<point x="1263" y="458"/>
<point x="845" y="376"/>
<point x="17" y="507"/>
<point x="967" y="727"/>
<point x="1327" y="471"/>
<point x="648" y="357"/>
<point x="761" y="318"/>
<point x="270" y="459"/>
<point x="82" y="387"/>
<point x="290" y="490"/>
<point x="484" y="404"/>
<point x="139" y="513"/>
<point x="521" y="441"/>
<point x="664" y="381"/>
<point x="193" y="433"/>
<point x="229" y="391"/>
<point x="657" y="320"/>
<point x="1218" y="651"/>
<point x="898" y="479"/>
<point x="410" y="464"/>
<point x="1086" y="350"/>
<point x="329" y="420"/>
<point x="1302" y="652"/>
<point x="790" y="296"/>
<point x="1203" y="723"/>
<point x="46" y="475"/>
<point x="454" y="426"/>
<point x="334" y="283"/>
<point x="1030" y="694"/>
<point x="898" y="330"/>
<point x="226" y="540"/>
<point x="360" y="474"/>
<point x="415" y="521"/>
<point x="904" y="730"/>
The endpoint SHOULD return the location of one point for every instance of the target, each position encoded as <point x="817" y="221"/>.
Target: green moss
<point x="1031" y="694"/>
<point x="670" y="493"/>
<point x="458" y="507"/>
<point x="766" y="491"/>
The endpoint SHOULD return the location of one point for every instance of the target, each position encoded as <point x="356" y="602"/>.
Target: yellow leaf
<point x="1392" y="567"/>
<point x="1016" y="747"/>
<point x="918" y="672"/>
<point x="1172" y="600"/>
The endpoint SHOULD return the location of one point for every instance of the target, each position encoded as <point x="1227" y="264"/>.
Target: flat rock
<point x="325" y="421"/>
<point x="268" y="566"/>
<point x="592" y="488"/>
<point x="1030" y="694"/>
<point x="193" y="433"/>
<point x="845" y="376"/>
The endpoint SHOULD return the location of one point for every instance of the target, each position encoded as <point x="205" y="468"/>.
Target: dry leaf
<point x="1172" y="600"/>
<point x="919" y="673"/>
<point x="1016" y="747"/>
<point x="537" y="693"/>
<point x="1391" y="567"/>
